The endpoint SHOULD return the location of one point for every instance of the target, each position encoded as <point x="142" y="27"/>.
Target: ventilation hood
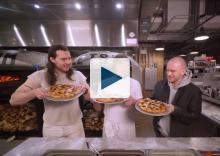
<point x="40" y="33"/>
<point x="96" y="23"/>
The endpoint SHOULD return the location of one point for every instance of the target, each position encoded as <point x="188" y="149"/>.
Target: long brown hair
<point x="50" y="75"/>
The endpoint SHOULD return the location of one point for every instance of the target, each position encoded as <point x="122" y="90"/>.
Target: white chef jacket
<point x="118" y="120"/>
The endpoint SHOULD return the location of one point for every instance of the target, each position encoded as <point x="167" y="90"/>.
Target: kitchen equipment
<point x="150" y="78"/>
<point x="179" y="152"/>
<point x="118" y="152"/>
<point x="92" y="148"/>
<point x="63" y="152"/>
<point x="207" y="90"/>
<point x="216" y="93"/>
<point x="23" y="121"/>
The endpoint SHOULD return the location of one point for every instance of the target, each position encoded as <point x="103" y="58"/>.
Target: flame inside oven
<point x="8" y="78"/>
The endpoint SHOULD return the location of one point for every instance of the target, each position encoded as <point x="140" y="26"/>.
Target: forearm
<point x="87" y="96"/>
<point x="98" y="107"/>
<point x="21" y="98"/>
<point x="87" y="93"/>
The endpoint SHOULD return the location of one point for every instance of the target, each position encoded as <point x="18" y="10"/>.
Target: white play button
<point x="110" y="77"/>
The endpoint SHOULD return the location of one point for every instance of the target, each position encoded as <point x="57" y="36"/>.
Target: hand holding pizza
<point x="130" y="101"/>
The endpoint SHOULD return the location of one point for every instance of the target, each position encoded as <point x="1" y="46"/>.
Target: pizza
<point x="109" y="100"/>
<point x="63" y="91"/>
<point x="152" y="106"/>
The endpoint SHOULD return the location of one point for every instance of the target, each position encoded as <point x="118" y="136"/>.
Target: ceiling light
<point x="201" y="35"/>
<point x="194" y="52"/>
<point x="201" y="38"/>
<point x="37" y="6"/>
<point x="71" y="35"/>
<point x="78" y="6"/>
<point x="97" y="35"/>
<point x="45" y="35"/>
<point x="19" y="36"/>
<point x="182" y="55"/>
<point x="123" y="35"/>
<point x="118" y="5"/>
<point x="159" y="48"/>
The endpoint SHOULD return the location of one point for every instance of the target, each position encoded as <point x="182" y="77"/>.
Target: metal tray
<point x="118" y="152"/>
<point x="69" y="153"/>
<point x="178" y="152"/>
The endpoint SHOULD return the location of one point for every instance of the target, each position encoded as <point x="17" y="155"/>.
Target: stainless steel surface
<point x="211" y="110"/>
<point x="38" y="146"/>
<point x="210" y="99"/>
<point x="65" y="10"/>
<point x="63" y="23"/>
<point x="22" y="58"/>
<point x="183" y="152"/>
<point x="211" y="86"/>
<point x="92" y="148"/>
<point x="216" y="93"/>
<point x="150" y="76"/>
<point x="58" y="152"/>
<point x="84" y="60"/>
<point x="69" y="32"/>
<point x="114" y="152"/>
<point x="158" y="21"/>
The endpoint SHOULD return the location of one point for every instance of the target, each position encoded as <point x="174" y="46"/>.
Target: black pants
<point x="156" y="127"/>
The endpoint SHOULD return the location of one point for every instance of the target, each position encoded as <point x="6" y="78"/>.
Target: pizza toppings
<point x="63" y="91"/>
<point x="152" y="106"/>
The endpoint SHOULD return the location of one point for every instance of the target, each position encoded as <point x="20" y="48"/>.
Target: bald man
<point x="184" y="99"/>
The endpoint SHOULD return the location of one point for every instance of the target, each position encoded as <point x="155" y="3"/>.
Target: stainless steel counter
<point x="211" y="111"/>
<point x="38" y="146"/>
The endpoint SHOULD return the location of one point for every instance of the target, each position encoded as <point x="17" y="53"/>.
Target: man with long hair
<point x="61" y="119"/>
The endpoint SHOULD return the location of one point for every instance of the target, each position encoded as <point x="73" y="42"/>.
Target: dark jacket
<point x="187" y="103"/>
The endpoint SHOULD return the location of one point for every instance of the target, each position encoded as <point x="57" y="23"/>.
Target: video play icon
<point x="110" y="77"/>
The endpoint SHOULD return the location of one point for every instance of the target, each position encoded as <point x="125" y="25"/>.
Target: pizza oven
<point x="19" y="121"/>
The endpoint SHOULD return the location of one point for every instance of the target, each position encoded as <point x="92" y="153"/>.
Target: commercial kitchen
<point x="148" y="32"/>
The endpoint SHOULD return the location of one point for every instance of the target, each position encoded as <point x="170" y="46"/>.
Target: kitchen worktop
<point x="38" y="146"/>
<point x="211" y="111"/>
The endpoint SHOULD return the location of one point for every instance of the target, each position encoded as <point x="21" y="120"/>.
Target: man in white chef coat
<point x="119" y="118"/>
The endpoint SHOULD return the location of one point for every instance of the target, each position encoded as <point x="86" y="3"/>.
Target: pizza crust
<point x="109" y="100"/>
